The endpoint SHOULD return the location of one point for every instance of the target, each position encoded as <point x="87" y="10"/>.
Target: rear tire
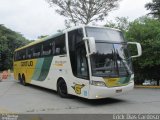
<point x="62" y="89"/>
<point x="20" y="78"/>
<point x="23" y="80"/>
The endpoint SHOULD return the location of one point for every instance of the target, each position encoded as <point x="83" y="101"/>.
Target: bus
<point x="86" y="61"/>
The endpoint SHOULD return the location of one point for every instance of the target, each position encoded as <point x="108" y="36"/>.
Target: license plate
<point x="119" y="91"/>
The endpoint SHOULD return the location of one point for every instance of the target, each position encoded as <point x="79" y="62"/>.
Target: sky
<point x="33" y="18"/>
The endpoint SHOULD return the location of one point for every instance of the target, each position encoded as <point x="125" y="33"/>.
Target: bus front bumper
<point x="98" y="92"/>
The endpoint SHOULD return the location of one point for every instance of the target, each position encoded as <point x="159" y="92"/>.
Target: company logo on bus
<point x="77" y="88"/>
<point x="27" y="63"/>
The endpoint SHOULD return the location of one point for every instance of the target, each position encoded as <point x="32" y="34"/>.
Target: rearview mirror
<point x="91" y="44"/>
<point x="139" y="49"/>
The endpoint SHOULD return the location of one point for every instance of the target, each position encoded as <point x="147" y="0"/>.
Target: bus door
<point x="79" y="64"/>
<point x="82" y="72"/>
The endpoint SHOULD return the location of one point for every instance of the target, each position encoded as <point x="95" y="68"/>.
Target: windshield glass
<point x="111" y="60"/>
<point x="105" y="34"/>
<point x="112" y="57"/>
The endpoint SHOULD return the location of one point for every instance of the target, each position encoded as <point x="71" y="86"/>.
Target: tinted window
<point x="105" y="34"/>
<point x="29" y="52"/>
<point x="78" y="54"/>
<point x="37" y="51"/>
<point x="59" y="43"/>
<point x="111" y="60"/>
<point x="54" y="46"/>
<point x="21" y="55"/>
<point x="47" y="48"/>
<point x="15" y="56"/>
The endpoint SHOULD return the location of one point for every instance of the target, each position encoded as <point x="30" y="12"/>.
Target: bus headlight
<point x="98" y="83"/>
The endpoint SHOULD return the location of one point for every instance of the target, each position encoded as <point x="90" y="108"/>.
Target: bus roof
<point x="39" y="41"/>
<point x="60" y="33"/>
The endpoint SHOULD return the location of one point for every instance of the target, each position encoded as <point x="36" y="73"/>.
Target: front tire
<point x="62" y="89"/>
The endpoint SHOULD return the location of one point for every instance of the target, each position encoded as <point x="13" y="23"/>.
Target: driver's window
<point x="82" y="69"/>
<point x="78" y="54"/>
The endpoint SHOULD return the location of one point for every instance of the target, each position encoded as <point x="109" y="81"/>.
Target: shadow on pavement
<point x="95" y="102"/>
<point x="98" y="102"/>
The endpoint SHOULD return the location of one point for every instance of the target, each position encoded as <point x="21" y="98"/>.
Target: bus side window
<point x="57" y="51"/>
<point x="60" y="45"/>
<point x="47" y="48"/>
<point x="29" y="53"/>
<point x="37" y="51"/>
<point x="77" y="52"/>
<point x="53" y="48"/>
<point x="15" y="56"/>
<point x="24" y="54"/>
<point x="21" y="55"/>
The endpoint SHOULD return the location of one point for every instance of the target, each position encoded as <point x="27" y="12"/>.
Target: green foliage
<point x="9" y="41"/>
<point x="154" y="6"/>
<point x="120" y="23"/>
<point x="147" y="32"/>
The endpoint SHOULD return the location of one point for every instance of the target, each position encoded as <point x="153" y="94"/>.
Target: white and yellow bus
<point x="86" y="61"/>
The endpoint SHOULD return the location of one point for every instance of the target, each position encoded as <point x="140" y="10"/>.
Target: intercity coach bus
<point x="86" y="61"/>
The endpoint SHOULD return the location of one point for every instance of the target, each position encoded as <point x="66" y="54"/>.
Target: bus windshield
<point x="105" y="34"/>
<point x="112" y="58"/>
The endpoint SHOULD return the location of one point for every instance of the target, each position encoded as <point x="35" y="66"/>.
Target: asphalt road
<point x="16" y="98"/>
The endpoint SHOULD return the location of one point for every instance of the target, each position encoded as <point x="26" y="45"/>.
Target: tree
<point x="9" y="41"/>
<point x="120" y="23"/>
<point x="146" y="31"/>
<point x="84" y="11"/>
<point x="154" y="7"/>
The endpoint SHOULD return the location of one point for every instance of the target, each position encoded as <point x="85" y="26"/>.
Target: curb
<point x="141" y="86"/>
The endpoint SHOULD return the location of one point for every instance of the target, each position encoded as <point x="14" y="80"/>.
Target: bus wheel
<point x="23" y="80"/>
<point x="19" y="78"/>
<point x="62" y="89"/>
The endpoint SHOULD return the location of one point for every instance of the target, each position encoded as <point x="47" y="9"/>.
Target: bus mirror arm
<point x="139" y="49"/>
<point x="91" y="44"/>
